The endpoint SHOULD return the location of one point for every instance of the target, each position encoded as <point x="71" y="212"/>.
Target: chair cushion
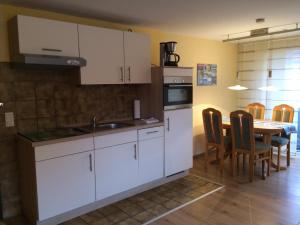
<point x="261" y="147"/>
<point x="278" y="140"/>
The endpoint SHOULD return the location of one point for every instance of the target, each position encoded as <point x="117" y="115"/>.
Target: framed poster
<point x="206" y="74"/>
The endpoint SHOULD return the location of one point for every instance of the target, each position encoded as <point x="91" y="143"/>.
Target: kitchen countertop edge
<point x="93" y="134"/>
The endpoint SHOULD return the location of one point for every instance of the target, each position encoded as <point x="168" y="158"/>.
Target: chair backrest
<point x="212" y="120"/>
<point x="242" y="130"/>
<point x="257" y="110"/>
<point x="283" y="113"/>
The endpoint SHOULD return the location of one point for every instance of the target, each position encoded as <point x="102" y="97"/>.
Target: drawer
<point x="63" y="148"/>
<point x="149" y="133"/>
<point x="115" y="139"/>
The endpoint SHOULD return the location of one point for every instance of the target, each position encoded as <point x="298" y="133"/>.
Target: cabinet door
<point x="137" y="58"/>
<point x="151" y="160"/>
<point x="178" y="141"/>
<point x="47" y="37"/>
<point x="116" y="169"/>
<point x="103" y="50"/>
<point x="65" y="183"/>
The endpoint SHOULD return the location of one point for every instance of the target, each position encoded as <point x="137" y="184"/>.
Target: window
<point x="271" y="71"/>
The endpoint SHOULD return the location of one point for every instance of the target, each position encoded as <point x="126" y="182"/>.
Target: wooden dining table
<point x="266" y="128"/>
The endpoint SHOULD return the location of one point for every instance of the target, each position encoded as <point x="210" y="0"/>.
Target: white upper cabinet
<point x="103" y="50"/>
<point x="137" y="58"/>
<point x="114" y="56"/>
<point x="46" y="37"/>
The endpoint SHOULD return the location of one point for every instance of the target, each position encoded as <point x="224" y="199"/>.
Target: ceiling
<point x="211" y="19"/>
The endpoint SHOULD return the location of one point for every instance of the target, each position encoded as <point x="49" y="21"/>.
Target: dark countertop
<point x="70" y="133"/>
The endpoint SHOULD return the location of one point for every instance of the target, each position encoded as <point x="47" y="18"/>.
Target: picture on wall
<point x="206" y="74"/>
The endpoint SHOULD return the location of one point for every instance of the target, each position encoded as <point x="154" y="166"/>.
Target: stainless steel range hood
<point x="49" y="60"/>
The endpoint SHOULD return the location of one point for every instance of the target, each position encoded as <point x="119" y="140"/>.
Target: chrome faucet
<point x="93" y="122"/>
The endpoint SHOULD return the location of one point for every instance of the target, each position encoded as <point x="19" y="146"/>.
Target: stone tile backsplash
<point x="46" y="98"/>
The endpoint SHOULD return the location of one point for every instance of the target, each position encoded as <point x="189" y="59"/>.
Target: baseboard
<point x="118" y="197"/>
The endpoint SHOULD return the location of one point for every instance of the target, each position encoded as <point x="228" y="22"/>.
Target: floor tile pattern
<point x="145" y="206"/>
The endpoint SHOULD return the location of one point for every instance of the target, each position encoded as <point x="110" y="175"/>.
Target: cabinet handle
<point x="51" y="50"/>
<point x="129" y="74"/>
<point x="122" y="76"/>
<point x="91" y="163"/>
<point x="168" y="124"/>
<point x="135" y="153"/>
<point x="152" y="132"/>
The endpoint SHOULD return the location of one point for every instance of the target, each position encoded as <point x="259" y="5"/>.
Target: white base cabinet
<point x="65" y="183"/>
<point x="178" y="140"/>
<point x="116" y="169"/>
<point x="151" y="154"/>
<point x="60" y="177"/>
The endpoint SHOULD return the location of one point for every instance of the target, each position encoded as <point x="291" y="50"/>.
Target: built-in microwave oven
<point x="177" y="92"/>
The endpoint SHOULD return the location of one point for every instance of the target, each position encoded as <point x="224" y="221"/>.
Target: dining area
<point x="248" y="139"/>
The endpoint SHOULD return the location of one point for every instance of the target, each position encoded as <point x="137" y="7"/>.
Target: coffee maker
<point x="167" y="55"/>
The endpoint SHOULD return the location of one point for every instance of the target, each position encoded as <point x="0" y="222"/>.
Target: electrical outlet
<point x="9" y="119"/>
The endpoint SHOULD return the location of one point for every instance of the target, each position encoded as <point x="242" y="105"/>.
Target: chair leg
<point x="288" y="154"/>
<point x="233" y="161"/>
<point x="244" y="161"/>
<point x="222" y="159"/>
<point x="206" y="158"/>
<point x="238" y="162"/>
<point x="263" y="168"/>
<point x="271" y="154"/>
<point x="278" y="158"/>
<point x="269" y="163"/>
<point x="217" y="154"/>
<point x="251" y="167"/>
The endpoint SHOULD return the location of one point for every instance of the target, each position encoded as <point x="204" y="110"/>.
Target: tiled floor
<point x="147" y="205"/>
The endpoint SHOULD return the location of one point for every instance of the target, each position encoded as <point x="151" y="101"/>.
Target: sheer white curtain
<point x="274" y="67"/>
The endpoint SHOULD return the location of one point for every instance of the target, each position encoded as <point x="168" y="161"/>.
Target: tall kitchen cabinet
<point x="114" y="56"/>
<point x="178" y="140"/>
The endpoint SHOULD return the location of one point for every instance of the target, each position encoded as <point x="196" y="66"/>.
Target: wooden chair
<point x="282" y="113"/>
<point x="215" y="140"/>
<point x="243" y="141"/>
<point x="257" y="110"/>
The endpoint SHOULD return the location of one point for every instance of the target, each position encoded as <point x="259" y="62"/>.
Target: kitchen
<point x="60" y="102"/>
<point x="79" y="115"/>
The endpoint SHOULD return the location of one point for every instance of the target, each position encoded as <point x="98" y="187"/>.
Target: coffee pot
<point x="167" y="55"/>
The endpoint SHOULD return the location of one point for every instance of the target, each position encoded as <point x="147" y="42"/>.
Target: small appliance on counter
<point x="167" y="55"/>
<point x="136" y="109"/>
<point x="150" y="120"/>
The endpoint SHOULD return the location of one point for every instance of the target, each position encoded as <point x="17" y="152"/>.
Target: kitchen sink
<point x="112" y="125"/>
<point x="104" y="126"/>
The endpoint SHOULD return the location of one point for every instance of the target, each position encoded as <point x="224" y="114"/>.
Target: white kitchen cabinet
<point x="46" y="37"/>
<point x="178" y="140"/>
<point x="114" y="56"/>
<point x="65" y="183"/>
<point x="103" y="50"/>
<point x="116" y="169"/>
<point x="137" y="58"/>
<point x="151" y="154"/>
